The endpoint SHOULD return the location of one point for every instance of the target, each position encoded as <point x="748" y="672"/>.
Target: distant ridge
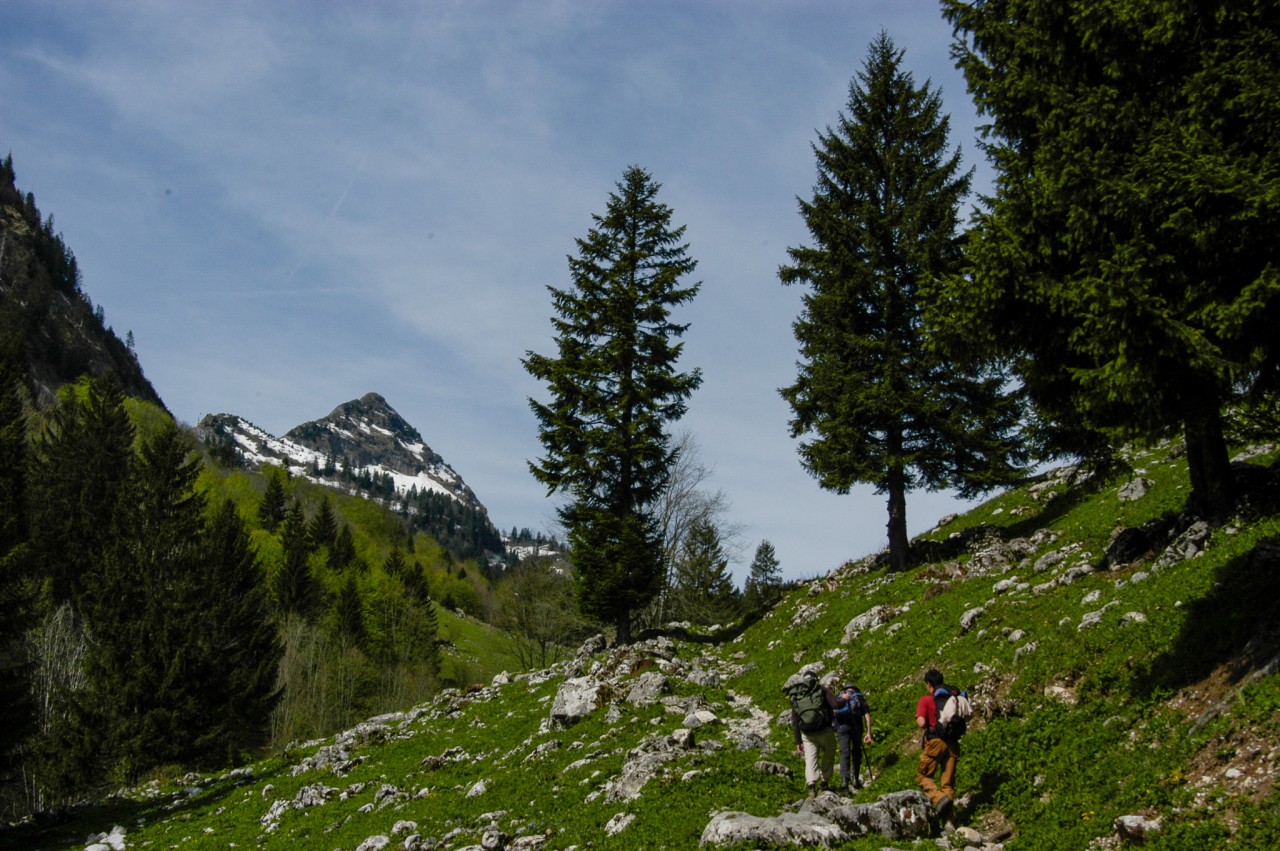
<point x="364" y="439"/>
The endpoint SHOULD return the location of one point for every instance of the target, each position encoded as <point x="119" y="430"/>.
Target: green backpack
<point x="809" y="704"/>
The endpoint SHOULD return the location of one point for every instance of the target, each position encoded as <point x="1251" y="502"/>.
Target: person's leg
<point x="855" y="758"/>
<point x="948" y="779"/>
<point x="845" y="736"/>
<point x="928" y="766"/>
<point x="827" y="742"/>
<point x="810" y="760"/>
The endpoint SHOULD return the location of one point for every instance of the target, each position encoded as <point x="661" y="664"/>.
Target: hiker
<point x="812" y="711"/>
<point x="853" y="731"/>
<point x="937" y="753"/>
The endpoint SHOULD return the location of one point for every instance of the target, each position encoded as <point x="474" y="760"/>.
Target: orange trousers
<point x="938" y="754"/>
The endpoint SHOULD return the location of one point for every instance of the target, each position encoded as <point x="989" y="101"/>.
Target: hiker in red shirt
<point x="936" y="753"/>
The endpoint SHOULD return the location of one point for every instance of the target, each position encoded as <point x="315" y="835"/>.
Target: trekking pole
<point x="866" y="759"/>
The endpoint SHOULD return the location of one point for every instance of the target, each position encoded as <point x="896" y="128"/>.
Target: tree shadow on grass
<point x="70" y="829"/>
<point x="1235" y="627"/>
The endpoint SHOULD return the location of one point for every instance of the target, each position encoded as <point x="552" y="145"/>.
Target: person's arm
<point x="795" y="730"/>
<point x="866" y="723"/>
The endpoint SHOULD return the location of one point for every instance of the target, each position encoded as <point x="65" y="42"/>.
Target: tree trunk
<point x="623" y="624"/>
<point x="899" y="547"/>
<point x="1212" y="492"/>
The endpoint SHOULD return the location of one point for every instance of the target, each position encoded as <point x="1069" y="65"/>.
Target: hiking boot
<point x="942" y="809"/>
<point x="857" y="784"/>
<point x="813" y="790"/>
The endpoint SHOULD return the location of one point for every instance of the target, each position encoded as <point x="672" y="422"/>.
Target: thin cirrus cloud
<point x="291" y="204"/>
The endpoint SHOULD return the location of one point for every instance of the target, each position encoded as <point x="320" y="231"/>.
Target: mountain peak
<point x="363" y="437"/>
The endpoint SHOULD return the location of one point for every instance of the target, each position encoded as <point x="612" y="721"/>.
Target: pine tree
<point x="323" y="529"/>
<point x="297" y="590"/>
<point x="704" y="591"/>
<point x="1127" y="260"/>
<point x="764" y="581"/>
<point x="271" y="510"/>
<point x="146" y="658"/>
<point x="877" y="405"/>
<point x="343" y="552"/>
<point x="349" y="613"/>
<point x="395" y="563"/>
<point x="614" y="387"/>
<point x="81" y="462"/>
<point x="240" y="646"/>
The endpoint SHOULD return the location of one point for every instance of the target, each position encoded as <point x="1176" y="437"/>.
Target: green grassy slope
<point x="1146" y="689"/>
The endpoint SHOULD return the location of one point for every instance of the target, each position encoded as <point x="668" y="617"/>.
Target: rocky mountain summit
<point x="364" y="439"/>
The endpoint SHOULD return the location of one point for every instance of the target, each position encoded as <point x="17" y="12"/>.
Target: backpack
<point x="809" y="704"/>
<point x="954" y="712"/>
<point x="851" y="711"/>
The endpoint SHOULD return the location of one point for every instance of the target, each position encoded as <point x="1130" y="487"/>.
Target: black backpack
<point x="852" y="710"/>
<point x="954" y="711"/>
<point x="809" y="703"/>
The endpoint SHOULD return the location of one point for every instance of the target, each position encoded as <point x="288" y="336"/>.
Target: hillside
<point x="41" y="303"/>
<point x="365" y="447"/>
<point x="1121" y="657"/>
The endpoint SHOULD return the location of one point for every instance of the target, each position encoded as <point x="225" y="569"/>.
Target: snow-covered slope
<point x="362" y="439"/>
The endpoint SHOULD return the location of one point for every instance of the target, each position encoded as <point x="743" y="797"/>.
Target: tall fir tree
<point x="764" y="580"/>
<point x="81" y="463"/>
<point x="240" y="645"/>
<point x="348" y="613"/>
<point x="877" y="405"/>
<point x="343" y="552"/>
<point x="323" y="529"/>
<point x="614" y="387"/>
<point x="146" y="657"/>
<point x="296" y="588"/>
<point x="272" y="509"/>
<point x="704" y="591"/>
<point x="1127" y="260"/>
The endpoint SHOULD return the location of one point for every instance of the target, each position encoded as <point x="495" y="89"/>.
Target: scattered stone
<point x="969" y="618"/>
<point x="1132" y="617"/>
<point x="576" y="699"/>
<point x="873" y="618"/>
<point x="374" y="843"/>
<point x="786" y="829"/>
<point x="404" y="827"/>
<point x="648" y="687"/>
<point x="776" y="768"/>
<point x="1136" y="829"/>
<point x="619" y="823"/>
<point x="1062" y="694"/>
<point x="477" y="789"/>
<point x="1134" y="490"/>
<point x="113" y="841"/>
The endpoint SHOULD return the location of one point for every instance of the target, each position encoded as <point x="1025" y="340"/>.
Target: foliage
<point x="614" y="387"/>
<point x="704" y="592"/>
<point x="533" y="606"/>
<point x="1127" y="262"/>
<point x="764" y="580"/>
<point x="878" y="404"/>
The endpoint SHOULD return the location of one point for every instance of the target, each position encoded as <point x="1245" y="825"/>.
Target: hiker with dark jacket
<point x="937" y="753"/>
<point x="812" y="709"/>
<point x="853" y="730"/>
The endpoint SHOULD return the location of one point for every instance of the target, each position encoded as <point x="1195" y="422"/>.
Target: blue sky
<point x="291" y="204"/>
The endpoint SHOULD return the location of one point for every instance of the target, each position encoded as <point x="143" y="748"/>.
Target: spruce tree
<point x="323" y="529"/>
<point x="241" y="647"/>
<point x="343" y="552"/>
<point x="146" y="658"/>
<point x="875" y="403"/>
<point x="395" y="563"/>
<point x="272" y="509"/>
<point x="81" y="463"/>
<point x="348" y="611"/>
<point x="764" y="581"/>
<point x="704" y="591"/>
<point x="614" y="388"/>
<point x="297" y="589"/>
<point x="1127" y="260"/>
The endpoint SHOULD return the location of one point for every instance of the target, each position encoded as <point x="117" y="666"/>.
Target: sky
<point x="290" y="204"/>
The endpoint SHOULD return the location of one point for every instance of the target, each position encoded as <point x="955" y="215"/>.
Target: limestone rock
<point x="648" y="687"/>
<point x="805" y="829"/>
<point x="576" y="699"/>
